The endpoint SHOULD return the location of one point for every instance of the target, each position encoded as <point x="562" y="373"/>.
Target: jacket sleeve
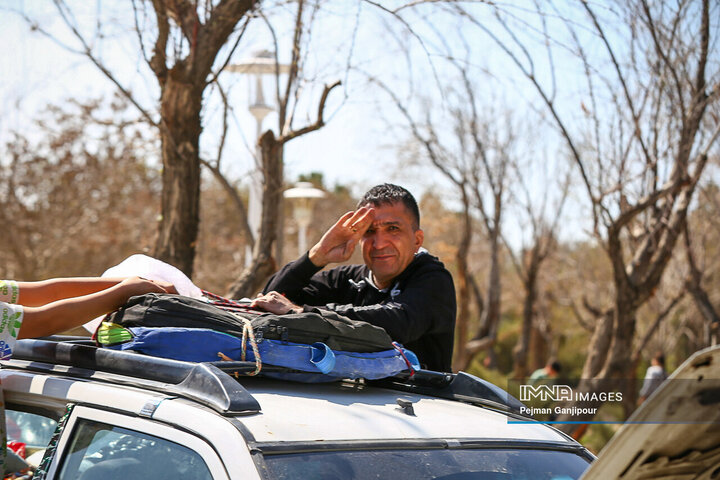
<point x="425" y="306"/>
<point x="302" y="282"/>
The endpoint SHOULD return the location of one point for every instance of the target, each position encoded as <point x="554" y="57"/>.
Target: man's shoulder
<point x="424" y="263"/>
<point x="427" y="271"/>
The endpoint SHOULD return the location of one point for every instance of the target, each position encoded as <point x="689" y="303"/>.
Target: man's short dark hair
<point x="387" y="194"/>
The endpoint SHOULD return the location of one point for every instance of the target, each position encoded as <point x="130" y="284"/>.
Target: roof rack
<point x="454" y="386"/>
<point x="203" y="382"/>
<point x="212" y="383"/>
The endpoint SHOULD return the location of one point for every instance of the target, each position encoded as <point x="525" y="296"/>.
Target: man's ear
<point x="419" y="238"/>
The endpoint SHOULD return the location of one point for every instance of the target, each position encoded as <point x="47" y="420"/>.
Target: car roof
<point x="355" y="411"/>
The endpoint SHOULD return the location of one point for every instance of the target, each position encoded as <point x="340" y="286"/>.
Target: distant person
<point x="549" y="372"/>
<point x="36" y="309"/>
<point x="654" y="376"/>
<point x="401" y="287"/>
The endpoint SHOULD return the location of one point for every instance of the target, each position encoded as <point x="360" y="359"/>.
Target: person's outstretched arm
<point x="66" y="313"/>
<point x="34" y="294"/>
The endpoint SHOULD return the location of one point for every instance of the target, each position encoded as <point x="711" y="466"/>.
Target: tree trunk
<point x="462" y="326"/>
<point x="520" y="352"/>
<point x="699" y="294"/>
<point x="539" y="348"/>
<point x="492" y="317"/>
<point x="263" y="264"/>
<point x="180" y="133"/>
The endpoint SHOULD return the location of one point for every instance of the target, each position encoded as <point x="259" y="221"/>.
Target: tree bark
<point x="463" y="287"/>
<point x="180" y="200"/>
<point x="539" y="348"/>
<point x="492" y="314"/>
<point x="182" y="81"/>
<point x="521" y="350"/>
<point x="697" y="291"/>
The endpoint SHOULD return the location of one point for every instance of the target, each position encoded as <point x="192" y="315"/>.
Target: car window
<point x="100" y="451"/>
<point x="34" y="430"/>
<point x="444" y="464"/>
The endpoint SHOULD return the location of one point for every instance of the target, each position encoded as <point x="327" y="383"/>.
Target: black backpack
<point x="336" y="331"/>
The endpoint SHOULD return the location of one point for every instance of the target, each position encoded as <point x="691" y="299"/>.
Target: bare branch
<point x="319" y="123"/>
<point x="548" y="102"/>
<point x="658" y="320"/>
<point x="580" y="319"/>
<point x="413" y="33"/>
<point x="232" y="50"/>
<point x="660" y="50"/>
<point x="138" y="31"/>
<point x="87" y="51"/>
<point x="232" y="192"/>
<point x="621" y="79"/>
<point x="293" y="73"/>
<point x="158" y="61"/>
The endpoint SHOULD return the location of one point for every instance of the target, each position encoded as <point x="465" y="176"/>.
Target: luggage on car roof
<point x="319" y="347"/>
<point x="336" y="331"/>
<point x="311" y="363"/>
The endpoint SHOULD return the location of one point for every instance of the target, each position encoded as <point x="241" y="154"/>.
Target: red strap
<point x="399" y="348"/>
<point x="226" y="303"/>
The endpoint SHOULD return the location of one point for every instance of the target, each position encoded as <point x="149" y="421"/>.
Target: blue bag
<point x="321" y="363"/>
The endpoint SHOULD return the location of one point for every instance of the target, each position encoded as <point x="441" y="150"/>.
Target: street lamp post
<point x="262" y="63"/>
<point x="303" y="197"/>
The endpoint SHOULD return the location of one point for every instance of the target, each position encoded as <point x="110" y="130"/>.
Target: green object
<point x="111" y="334"/>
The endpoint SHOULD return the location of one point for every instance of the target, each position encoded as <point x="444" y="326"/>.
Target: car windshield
<point x="445" y="464"/>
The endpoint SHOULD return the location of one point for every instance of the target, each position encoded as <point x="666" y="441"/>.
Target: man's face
<point x="390" y="243"/>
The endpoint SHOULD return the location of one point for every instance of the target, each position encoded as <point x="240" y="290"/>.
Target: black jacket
<point x="418" y="310"/>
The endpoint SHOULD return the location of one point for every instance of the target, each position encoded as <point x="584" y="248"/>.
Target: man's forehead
<point x="386" y="223"/>
<point x="394" y="213"/>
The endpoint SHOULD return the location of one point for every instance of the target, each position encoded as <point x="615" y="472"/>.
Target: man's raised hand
<point x="338" y="243"/>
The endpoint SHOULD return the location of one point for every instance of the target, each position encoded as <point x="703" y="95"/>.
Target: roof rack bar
<point x="460" y="386"/>
<point x="203" y="382"/>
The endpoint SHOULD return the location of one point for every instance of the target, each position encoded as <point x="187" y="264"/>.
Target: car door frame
<point x="139" y="424"/>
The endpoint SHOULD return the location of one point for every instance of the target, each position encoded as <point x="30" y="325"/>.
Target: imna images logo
<point x="561" y="393"/>
<point x="544" y="393"/>
<point x="586" y="403"/>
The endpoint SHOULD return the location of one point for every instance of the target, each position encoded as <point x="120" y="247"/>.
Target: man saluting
<point x="401" y="287"/>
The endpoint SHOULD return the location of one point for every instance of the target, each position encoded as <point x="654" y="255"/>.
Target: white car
<point x="87" y="413"/>
<point x="135" y="416"/>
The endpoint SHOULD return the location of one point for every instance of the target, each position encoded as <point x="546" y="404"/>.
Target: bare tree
<point x="188" y="39"/>
<point x="271" y="146"/>
<point x="695" y="285"/>
<point x="181" y="42"/>
<point x="543" y="230"/>
<point x="640" y="160"/>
